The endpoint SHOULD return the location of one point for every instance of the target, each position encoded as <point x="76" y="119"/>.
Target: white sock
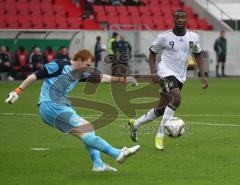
<point x="149" y="116"/>
<point x="168" y="113"/>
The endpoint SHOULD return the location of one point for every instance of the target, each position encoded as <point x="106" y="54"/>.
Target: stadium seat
<point x="101" y="17"/>
<point x="91" y="25"/>
<point x="136" y="20"/>
<point x="37" y="22"/>
<point x="144" y="11"/>
<point x="192" y="24"/>
<point x="203" y="25"/>
<point x="61" y="22"/>
<point x="2" y="12"/>
<point x="111" y="11"/>
<point x="3" y="23"/>
<point x="98" y="9"/>
<point x="158" y="22"/>
<point x="59" y="11"/>
<point x="148" y="22"/>
<point x="124" y="20"/>
<point x="74" y="23"/>
<point x="176" y="3"/>
<point x="175" y="8"/>
<point x="12" y="22"/>
<point x="165" y="3"/>
<point x="113" y="20"/>
<point x="25" y="23"/>
<point x="122" y="10"/>
<point x="189" y="11"/>
<point x="49" y="22"/>
<point x="155" y="10"/>
<point x="24" y="13"/>
<point x="155" y="3"/>
<point x="47" y="10"/>
<point x="21" y="1"/>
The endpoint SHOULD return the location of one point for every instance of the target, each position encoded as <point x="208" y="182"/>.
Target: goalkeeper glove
<point x="128" y="80"/>
<point x="13" y="96"/>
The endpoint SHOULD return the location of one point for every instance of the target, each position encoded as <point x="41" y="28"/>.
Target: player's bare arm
<point x="152" y="65"/>
<point x="200" y="63"/>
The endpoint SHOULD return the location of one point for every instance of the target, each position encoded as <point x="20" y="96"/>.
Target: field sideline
<point x="32" y="153"/>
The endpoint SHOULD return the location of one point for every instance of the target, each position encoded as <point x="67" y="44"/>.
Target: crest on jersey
<point x="191" y="44"/>
<point x="170" y="84"/>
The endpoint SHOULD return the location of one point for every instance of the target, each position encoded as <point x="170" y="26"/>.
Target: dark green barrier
<point x="29" y="43"/>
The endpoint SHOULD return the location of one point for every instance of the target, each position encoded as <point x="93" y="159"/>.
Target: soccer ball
<point x="174" y="127"/>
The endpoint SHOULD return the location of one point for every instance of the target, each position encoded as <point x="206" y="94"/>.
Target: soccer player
<point x="60" y="77"/>
<point x="175" y="46"/>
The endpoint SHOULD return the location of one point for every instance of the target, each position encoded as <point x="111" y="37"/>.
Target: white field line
<point x="39" y="149"/>
<point x="93" y="116"/>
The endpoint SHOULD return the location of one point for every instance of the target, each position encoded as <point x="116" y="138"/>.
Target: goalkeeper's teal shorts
<point x="64" y="118"/>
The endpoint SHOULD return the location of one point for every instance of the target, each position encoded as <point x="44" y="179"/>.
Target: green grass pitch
<point x="209" y="154"/>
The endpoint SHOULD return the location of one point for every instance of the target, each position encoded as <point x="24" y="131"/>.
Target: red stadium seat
<point x="3" y="23"/>
<point x="37" y="22"/>
<point x="192" y="24"/>
<point x="203" y="25"/>
<point x="144" y="10"/>
<point x="113" y="20"/>
<point x="98" y="9"/>
<point x="61" y="22"/>
<point x="25" y="23"/>
<point x="50" y="22"/>
<point x="132" y="10"/>
<point x="59" y="11"/>
<point x="159" y="22"/>
<point x="12" y="22"/>
<point x="2" y="12"/>
<point x="91" y="25"/>
<point x="136" y="20"/>
<point x="148" y="22"/>
<point x="111" y="10"/>
<point x="122" y="10"/>
<point x="155" y="3"/>
<point x="101" y="17"/>
<point x="189" y="11"/>
<point x="175" y="8"/>
<point x="74" y="23"/>
<point x="35" y="11"/>
<point x="24" y="13"/>
<point x="155" y="10"/>
<point x="124" y="20"/>
<point x="22" y="1"/>
<point x="47" y="10"/>
<point x="176" y="3"/>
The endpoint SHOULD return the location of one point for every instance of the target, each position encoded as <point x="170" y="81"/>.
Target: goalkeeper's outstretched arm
<point x="126" y="79"/>
<point x="13" y="96"/>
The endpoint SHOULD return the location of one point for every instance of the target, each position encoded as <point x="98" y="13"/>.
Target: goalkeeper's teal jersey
<point x="59" y="79"/>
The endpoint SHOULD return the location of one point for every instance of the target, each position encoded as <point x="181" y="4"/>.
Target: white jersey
<point x="175" y="52"/>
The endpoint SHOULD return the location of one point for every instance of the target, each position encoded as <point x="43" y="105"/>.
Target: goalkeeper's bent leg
<point x="95" y="156"/>
<point x="100" y="144"/>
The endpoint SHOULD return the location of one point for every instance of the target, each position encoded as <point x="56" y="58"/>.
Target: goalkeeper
<point x="60" y="77"/>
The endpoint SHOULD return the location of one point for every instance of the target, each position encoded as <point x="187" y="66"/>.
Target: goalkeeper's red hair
<point x="83" y="55"/>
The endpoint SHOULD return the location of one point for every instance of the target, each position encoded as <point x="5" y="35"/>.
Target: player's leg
<point x="217" y="66"/>
<point x="152" y="114"/>
<point x="168" y="114"/>
<point x="172" y="87"/>
<point x="89" y="138"/>
<point x="223" y="65"/>
<point x="66" y="120"/>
